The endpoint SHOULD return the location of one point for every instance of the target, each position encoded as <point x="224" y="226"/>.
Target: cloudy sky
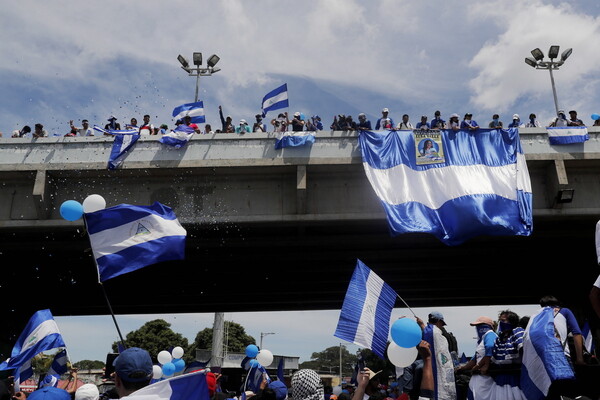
<point x="64" y="60"/>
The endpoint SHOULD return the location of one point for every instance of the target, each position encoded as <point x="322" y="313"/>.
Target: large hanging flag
<point x="40" y="334"/>
<point x="544" y="359"/>
<point x="182" y="387"/>
<point x="442" y="365"/>
<point x="275" y="100"/>
<point x="567" y="134"/>
<point x="126" y="237"/>
<point x="193" y="110"/>
<point x="454" y="185"/>
<point x="294" y="139"/>
<point x="124" y="141"/>
<point x="178" y="137"/>
<point x="365" y="316"/>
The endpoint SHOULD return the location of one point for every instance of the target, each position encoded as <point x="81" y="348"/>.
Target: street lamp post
<point x="263" y="334"/>
<point x="198" y="70"/>
<point x="537" y="62"/>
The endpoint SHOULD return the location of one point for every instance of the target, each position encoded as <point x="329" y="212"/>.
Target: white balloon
<point x="177" y="352"/>
<point x="164" y="357"/>
<point x="337" y="390"/>
<point x="401" y="356"/>
<point x="93" y="202"/>
<point x="264" y="357"/>
<point x="156" y="371"/>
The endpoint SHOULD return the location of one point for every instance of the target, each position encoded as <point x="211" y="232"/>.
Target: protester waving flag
<point x="365" y="316"/>
<point x="275" y="100"/>
<point x="469" y="185"/>
<point x="126" y="237"/>
<point x="182" y="387"/>
<point x="194" y="110"/>
<point x="178" y="137"/>
<point x="40" y="334"/>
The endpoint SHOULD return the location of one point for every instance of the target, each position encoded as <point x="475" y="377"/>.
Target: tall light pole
<point x="198" y="70"/>
<point x="263" y="334"/>
<point x="537" y="62"/>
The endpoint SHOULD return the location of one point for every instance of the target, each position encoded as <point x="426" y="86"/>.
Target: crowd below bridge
<point x="299" y="122"/>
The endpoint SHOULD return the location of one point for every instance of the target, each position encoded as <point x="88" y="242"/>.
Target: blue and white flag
<point x="294" y="139"/>
<point x="544" y="359"/>
<point x="59" y="363"/>
<point x="442" y="365"/>
<point x="182" y="387"/>
<point x="480" y="187"/>
<point x="365" y="316"/>
<point x="125" y="238"/>
<point x="193" y="110"/>
<point x="178" y="137"/>
<point x="40" y="334"/>
<point x="124" y="141"/>
<point x="275" y="100"/>
<point x="23" y="373"/>
<point x="588" y="339"/>
<point x="254" y="376"/>
<point x="567" y="134"/>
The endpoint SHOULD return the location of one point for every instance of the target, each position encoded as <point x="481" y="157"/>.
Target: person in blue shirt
<point x="437" y="122"/>
<point x="314" y="124"/>
<point x="363" y="123"/>
<point x="423" y="124"/>
<point x="468" y="123"/>
<point x="384" y="122"/>
<point x="516" y="122"/>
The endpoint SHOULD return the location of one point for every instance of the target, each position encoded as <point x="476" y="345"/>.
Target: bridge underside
<point x="299" y="266"/>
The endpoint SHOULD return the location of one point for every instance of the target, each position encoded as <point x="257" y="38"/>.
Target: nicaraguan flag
<point x="124" y="141"/>
<point x="275" y="99"/>
<point x="481" y="187"/>
<point x="294" y="139"/>
<point x="125" y="238"/>
<point x="567" y="134"/>
<point x="24" y="372"/>
<point x="588" y="339"/>
<point x="544" y="359"/>
<point x="280" y="375"/>
<point x="365" y="316"/>
<point x="40" y="334"/>
<point x="182" y="387"/>
<point x="178" y="137"/>
<point x="59" y="363"/>
<point x="442" y="365"/>
<point x="194" y="110"/>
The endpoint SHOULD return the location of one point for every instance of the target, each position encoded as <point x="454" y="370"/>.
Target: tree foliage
<point x="156" y="336"/>
<point x="328" y="361"/>
<point x="89" y="364"/>
<point x="236" y="338"/>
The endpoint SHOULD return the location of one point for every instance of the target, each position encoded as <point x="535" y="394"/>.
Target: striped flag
<point x="182" y="387"/>
<point x="567" y="134"/>
<point x="476" y="185"/>
<point x="275" y="100"/>
<point x="365" y="315"/>
<point x="59" y="363"/>
<point x="588" y="339"/>
<point x="295" y="139"/>
<point x="544" y="359"/>
<point x="178" y="137"/>
<point x="193" y="110"/>
<point x="125" y="238"/>
<point x="442" y="365"/>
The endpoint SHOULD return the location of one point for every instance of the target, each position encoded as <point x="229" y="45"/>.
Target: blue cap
<point x="50" y="380"/>
<point x="49" y="393"/>
<point x="280" y="389"/>
<point x="437" y="316"/>
<point x="134" y="365"/>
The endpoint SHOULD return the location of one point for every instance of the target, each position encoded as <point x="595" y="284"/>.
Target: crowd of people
<point x="298" y="122"/>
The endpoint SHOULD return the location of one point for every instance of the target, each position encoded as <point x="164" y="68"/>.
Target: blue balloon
<point x="302" y="117"/>
<point x="168" y="369"/>
<point x="252" y="350"/>
<point x="406" y="333"/>
<point x="254" y="364"/>
<point x="595" y="117"/>
<point x="71" y="210"/>
<point x="179" y="364"/>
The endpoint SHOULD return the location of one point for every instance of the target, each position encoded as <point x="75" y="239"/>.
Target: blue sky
<point x="64" y="60"/>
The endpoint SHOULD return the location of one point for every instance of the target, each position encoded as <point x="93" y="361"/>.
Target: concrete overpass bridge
<point x="275" y="230"/>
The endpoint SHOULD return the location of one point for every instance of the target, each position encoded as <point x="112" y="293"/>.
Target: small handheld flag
<point x="275" y="100"/>
<point x="193" y="110"/>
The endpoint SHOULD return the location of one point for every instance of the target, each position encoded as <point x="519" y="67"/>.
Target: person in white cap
<point x="384" y="122"/>
<point x="560" y="120"/>
<point x="453" y="123"/>
<point x="297" y="122"/>
<point x="243" y="127"/>
<point x="89" y="391"/>
<point x="516" y="122"/>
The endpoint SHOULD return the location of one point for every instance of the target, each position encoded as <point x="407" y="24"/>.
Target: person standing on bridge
<point x="226" y="123"/>
<point x="385" y="122"/>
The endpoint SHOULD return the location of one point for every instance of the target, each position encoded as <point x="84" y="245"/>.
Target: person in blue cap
<point x="49" y="393"/>
<point x="133" y="370"/>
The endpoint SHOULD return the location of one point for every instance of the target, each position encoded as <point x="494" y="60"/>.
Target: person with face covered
<point x="560" y="120"/>
<point x="481" y="385"/>
<point x="243" y="127"/>
<point x="259" y="125"/>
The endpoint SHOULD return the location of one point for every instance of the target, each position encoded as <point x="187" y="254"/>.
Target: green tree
<point x="328" y="361"/>
<point x="89" y="364"/>
<point x="156" y="336"/>
<point x="237" y="339"/>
